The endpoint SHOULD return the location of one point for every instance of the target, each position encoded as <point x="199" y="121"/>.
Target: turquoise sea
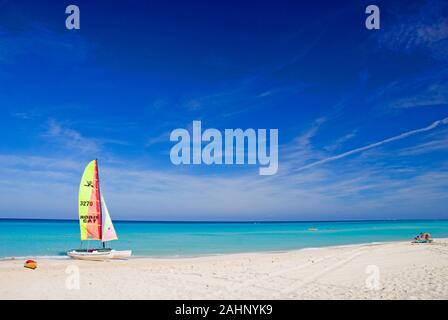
<point x="31" y="238"/>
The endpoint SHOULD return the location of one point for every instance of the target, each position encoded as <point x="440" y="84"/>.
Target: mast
<point x="99" y="201"/>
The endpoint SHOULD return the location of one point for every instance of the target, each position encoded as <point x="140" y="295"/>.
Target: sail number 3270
<point x="86" y="203"/>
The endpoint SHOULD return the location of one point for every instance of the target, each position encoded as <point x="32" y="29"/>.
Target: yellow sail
<point x="90" y="219"/>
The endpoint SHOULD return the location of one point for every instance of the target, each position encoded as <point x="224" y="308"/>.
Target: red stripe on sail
<point x="94" y="228"/>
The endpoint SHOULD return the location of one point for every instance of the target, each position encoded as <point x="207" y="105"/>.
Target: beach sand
<point x="398" y="270"/>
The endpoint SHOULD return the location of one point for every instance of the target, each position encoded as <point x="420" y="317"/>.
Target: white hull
<point x="90" y="255"/>
<point x="95" y="255"/>
<point x="122" y="254"/>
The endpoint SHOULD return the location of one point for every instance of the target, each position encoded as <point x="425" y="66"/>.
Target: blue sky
<point x="116" y="88"/>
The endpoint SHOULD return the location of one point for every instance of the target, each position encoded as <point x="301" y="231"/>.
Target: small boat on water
<point x="94" y="220"/>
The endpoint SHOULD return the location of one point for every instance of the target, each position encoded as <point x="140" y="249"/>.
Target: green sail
<point x="89" y="204"/>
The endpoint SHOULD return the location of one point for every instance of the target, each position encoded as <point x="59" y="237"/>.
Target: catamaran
<point x="94" y="219"/>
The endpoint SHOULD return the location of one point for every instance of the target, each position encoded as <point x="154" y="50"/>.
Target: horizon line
<point x="230" y="221"/>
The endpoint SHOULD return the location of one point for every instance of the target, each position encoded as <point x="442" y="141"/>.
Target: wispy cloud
<point x="423" y="89"/>
<point x="438" y="143"/>
<point x="179" y="193"/>
<point x="70" y="138"/>
<point x="23" y="115"/>
<point x="426" y="29"/>
<point x="161" y="138"/>
<point x="376" y="144"/>
<point x="39" y="41"/>
<point x="433" y="95"/>
<point x="339" y="142"/>
<point x="61" y="135"/>
<point x="135" y="192"/>
<point x="240" y="94"/>
<point x="295" y="153"/>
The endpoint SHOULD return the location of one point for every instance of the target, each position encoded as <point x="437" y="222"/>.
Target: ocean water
<point x="32" y="238"/>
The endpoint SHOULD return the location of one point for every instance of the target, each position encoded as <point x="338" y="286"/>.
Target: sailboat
<point x="94" y="219"/>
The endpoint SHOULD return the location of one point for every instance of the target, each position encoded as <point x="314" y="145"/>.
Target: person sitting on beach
<point x="423" y="237"/>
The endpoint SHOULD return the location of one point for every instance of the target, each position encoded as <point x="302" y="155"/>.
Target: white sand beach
<point x="398" y="270"/>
